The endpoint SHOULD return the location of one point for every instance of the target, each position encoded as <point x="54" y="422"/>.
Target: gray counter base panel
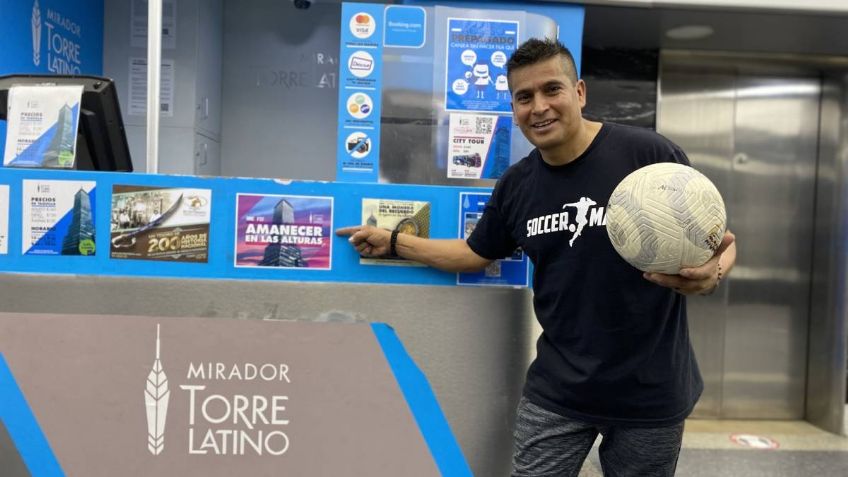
<point x="473" y="344"/>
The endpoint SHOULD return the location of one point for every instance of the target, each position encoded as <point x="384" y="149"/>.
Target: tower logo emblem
<point x="36" y="33"/>
<point x="156" y="396"/>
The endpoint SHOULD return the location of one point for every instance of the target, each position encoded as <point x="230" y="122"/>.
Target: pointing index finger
<point x="347" y="231"/>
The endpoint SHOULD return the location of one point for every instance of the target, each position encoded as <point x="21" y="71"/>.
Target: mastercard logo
<point x="362" y="25"/>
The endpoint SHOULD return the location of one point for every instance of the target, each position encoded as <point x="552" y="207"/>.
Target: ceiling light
<point x="690" y="32"/>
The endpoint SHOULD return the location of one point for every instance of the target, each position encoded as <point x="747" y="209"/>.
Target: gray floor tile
<point x="759" y="463"/>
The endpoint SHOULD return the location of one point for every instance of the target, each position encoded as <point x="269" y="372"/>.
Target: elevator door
<point x="755" y="135"/>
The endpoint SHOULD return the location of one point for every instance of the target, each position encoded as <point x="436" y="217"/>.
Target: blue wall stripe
<point x="428" y="415"/>
<point x="23" y="428"/>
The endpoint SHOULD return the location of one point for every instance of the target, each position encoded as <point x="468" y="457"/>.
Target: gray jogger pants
<point x="549" y="445"/>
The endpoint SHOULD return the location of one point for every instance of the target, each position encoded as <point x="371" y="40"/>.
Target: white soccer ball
<point x="665" y="217"/>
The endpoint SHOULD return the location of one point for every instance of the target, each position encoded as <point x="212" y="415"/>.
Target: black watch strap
<point x="393" y="244"/>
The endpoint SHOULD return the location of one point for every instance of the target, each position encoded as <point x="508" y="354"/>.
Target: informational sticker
<point x="360" y="63"/>
<point x="138" y="87"/>
<point x="58" y="218"/>
<point x="360" y="80"/>
<point x="4" y="219"/>
<point x="42" y="125"/>
<point x="512" y="271"/>
<point x="479" y="145"/>
<point x="476" y="64"/>
<point x="154" y="223"/>
<point x="754" y="441"/>
<point x="358" y="145"/>
<point x="406" y="216"/>
<point x="360" y="105"/>
<point x="284" y="231"/>
<point x="405" y="26"/>
<point x="138" y="24"/>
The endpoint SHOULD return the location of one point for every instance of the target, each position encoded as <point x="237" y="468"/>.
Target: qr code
<point x="493" y="270"/>
<point x="484" y="125"/>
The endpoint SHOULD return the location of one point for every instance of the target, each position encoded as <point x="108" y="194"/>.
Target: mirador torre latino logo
<point x="60" y="35"/>
<point x="36" y="34"/>
<point x="244" y="422"/>
<point x="156" y="395"/>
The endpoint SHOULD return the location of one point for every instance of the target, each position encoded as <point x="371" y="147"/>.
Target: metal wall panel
<point x="696" y="111"/>
<point x="755" y="135"/>
<point x="826" y="367"/>
<point x="771" y="205"/>
<point x="474" y="347"/>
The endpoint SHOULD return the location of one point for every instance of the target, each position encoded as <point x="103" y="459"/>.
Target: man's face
<point x="546" y="103"/>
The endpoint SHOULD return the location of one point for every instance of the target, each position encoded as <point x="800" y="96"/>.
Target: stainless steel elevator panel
<point x="826" y="366"/>
<point x="772" y="207"/>
<point x="697" y="111"/>
<point x="751" y="339"/>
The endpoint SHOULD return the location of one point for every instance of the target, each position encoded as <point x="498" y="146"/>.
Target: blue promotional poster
<point x="360" y="74"/>
<point x="512" y="271"/>
<point x="58" y="217"/>
<point x="284" y="231"/>
<point x="476" y="64"/>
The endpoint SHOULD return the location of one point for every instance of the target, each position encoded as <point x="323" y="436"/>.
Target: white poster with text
<point x="138" y="87"/>
<point x="42" y="125"/>
<point x="138" y="24"/>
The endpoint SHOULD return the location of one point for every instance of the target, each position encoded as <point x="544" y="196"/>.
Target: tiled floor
<point x="708" y="451"/>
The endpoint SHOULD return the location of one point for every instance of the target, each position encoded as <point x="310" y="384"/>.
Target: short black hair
<point x="536" y="50"/>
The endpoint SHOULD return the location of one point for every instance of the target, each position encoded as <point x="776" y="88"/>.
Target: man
<point x="614" y="357"/>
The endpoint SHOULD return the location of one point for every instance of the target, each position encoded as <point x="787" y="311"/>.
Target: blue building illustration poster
<point x="58" y="217"/>
<point x="512" y="271"/>
<point x="476" y="64"/>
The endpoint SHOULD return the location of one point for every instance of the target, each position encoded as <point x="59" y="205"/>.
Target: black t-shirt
<point x="615" y="347"/>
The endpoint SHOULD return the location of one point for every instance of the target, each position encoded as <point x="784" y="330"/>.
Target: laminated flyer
<point x="405" y="216"/>
<point x="58" y="218"/>
<point x="510" y="271"/>
<point x="4" y="219"/>
<point x="42" y="125"/>
<point x="479" y="145"/>
<point x="155" y="223"/>
<point x="283" y="231"/>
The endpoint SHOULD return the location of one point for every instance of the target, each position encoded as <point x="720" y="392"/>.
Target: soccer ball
<point x="665" y="217"/>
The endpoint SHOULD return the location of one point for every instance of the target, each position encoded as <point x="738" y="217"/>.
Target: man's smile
<point x="542" y="124"/>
